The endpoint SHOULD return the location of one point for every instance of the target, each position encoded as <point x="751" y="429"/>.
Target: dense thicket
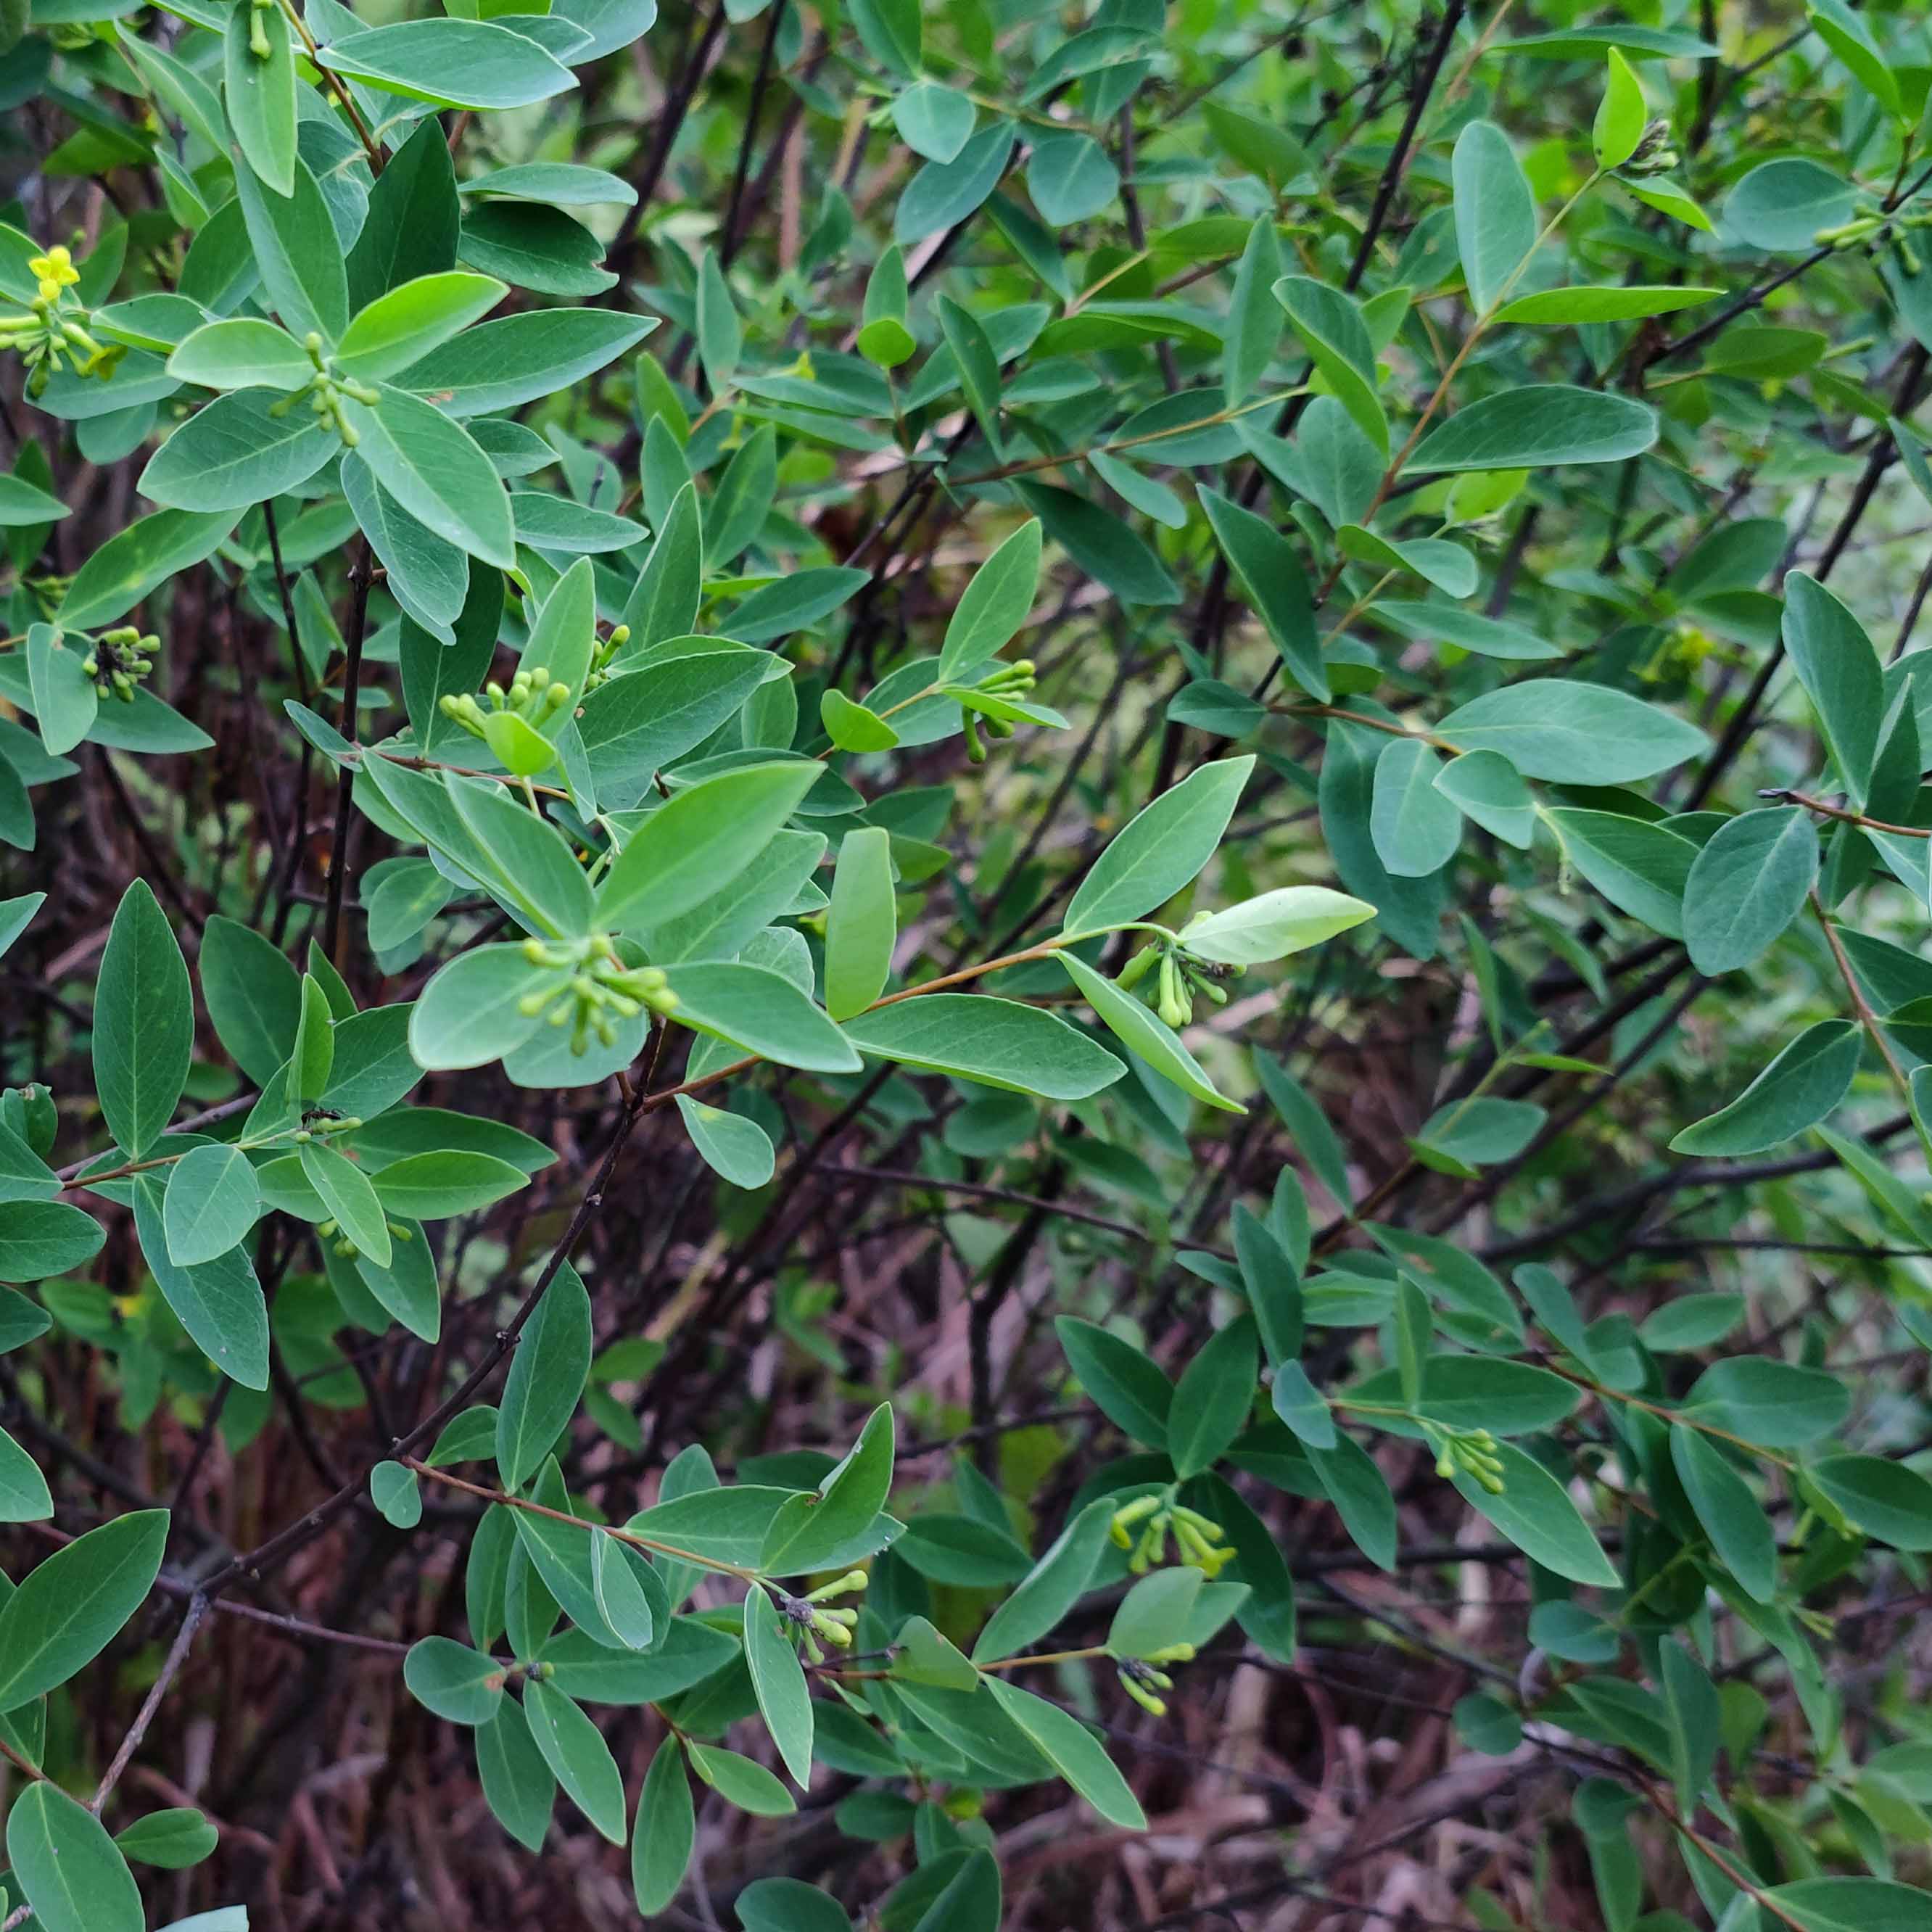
<point x="963" y="965"/>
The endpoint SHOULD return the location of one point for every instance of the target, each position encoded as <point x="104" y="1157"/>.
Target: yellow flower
<point x="56" y="272"/>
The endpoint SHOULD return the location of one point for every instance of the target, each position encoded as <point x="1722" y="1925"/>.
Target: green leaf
<point x="935" y="122"/>
<point x="472" y="1011"/>
<point x="394" y="1490"/>
<point x="1073" y="1751"/>
<point x="1446" y="566"/>
<point x="559" y="184"/>
<point x="762" y="1012"/>
<point x="737" y="1149"/>
<point x="1129" y="1388"/>
<point x="351" y="1201"/>
<point x="795" y="603"/>
<point x="1843" y="1905"/>
<point x="456" y="1682"/>
<point x="1481" y="1131"/>
<point x="1621" y="115"/>
<point x="1883" y="1498"/>
<point x="1143" y="1034"/>
<point x="260" y="93"/>
<point x="1836" y="664"/>
<point x="1415" y="826"/>
<point x="997" y="1042"/>
<point x="1212" y="1400"/>
<point x="1536" y="426"/>
<point x="852" y="727"/>
<point x="314" y="1052"/>
<point x="451" y="63"/>
<point x="143" y="1023"/>
<point x="74" y="1604"/>
<point x="1575" y="733"/>
<point x="413" y="217"/>
<point x="242" y="352"/>
<point x="811" y="1531"/>
<point x="740" y="1781"/>
<point x="995" y="605"/>
<point x="146" y="553"/>
<point x="1495" y="214"/>
<point x="721" y="336"/>
<point x="978" y="368"/>
<point x="1777" y="1404"/>
<point x="1273" y="926"/>
<point x="778" y="1682"/>
<point x="700" y="840"/>
<point x="497" y="365"/>
<point x="861" y="924"/>
<point x="433" y="467"/>
<point x="1731" y="1515"/>
<point x="173" y="1840"/>
<point x="1070" y="177"/>
<point x="1486" y="788"/>
<point x="1851" y="40"/>
<point x="547" y="1376"/>
<point x="65" y="702"/>
<point x="1100" y="544"/>
<point x="219" y="1303"/>
<point x="1780" y="205"/>
<point x="1061" y="1576"/>
<point x="1160" y="851"/>
<point x="789" y="1905"/>
<point x="1255" y="318"/>
<point x="1533" y="1510"/>
<point x="24" y="1496"/>
<point x="1668" y="199"/>
<point x="1640" y="867"/>
<point x="1155" y="1613"/>
<point x="1264" y="566"/>
<point x="664" y="602"/>
<point x="1332" y="331"/>
<point x="211" y="1204"/>
<point x="949" y="1547"/>
<point x="72" y="1872"/>
<point x="297" y="252"/>
<point x="1580" y="305"/>
<point x="235" y="454"/>
<point x="403" y="325"/>
<point x="433" y="1186"/>
<point x="1308" y="1127"/>
<point x="666" y="1829"/>
<point x="517" y="1779"/>
<point x="944" y="193"/>
<point x="1749" y="882"/>
<point x="579" y="1759"/>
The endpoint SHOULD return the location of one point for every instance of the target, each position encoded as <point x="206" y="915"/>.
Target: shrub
<point x="908" y="906"/>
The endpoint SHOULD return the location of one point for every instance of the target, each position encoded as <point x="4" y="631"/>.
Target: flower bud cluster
<point x="53" y="328"/>
<point x="325" y="390"/>
<point x="1870" y="224"/>
<point x="598" y="992"/>
<point x="1181" y="979"/>
<point x="1656" y="153"/>
<point x="119" y="660"/>
<point x="1473" y="1451"/>
<point x="331" y="1232"/>
<point x="605" y="655"/>
<point x="1008" y="681"/>
<point x="813" y="1625"/>
<point x="1201" y="1543"/>
<point x="1141" y="1677"/>
<point x="513" y="726"/>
